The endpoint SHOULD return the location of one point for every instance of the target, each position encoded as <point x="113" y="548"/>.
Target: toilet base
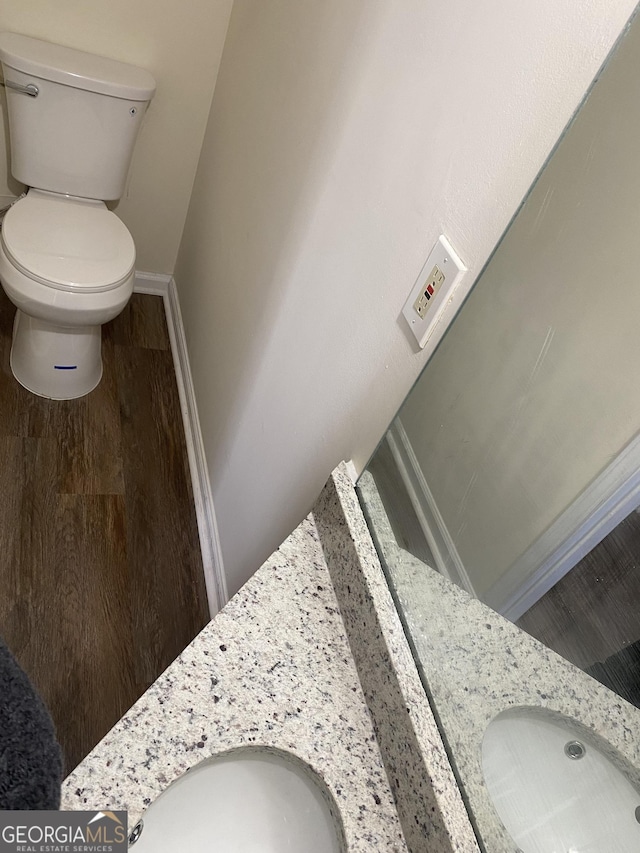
<point x="60" y="363"/>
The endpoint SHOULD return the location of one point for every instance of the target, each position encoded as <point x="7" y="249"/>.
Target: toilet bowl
<point x="67" y="264"/>
<point x="66" y="260"/>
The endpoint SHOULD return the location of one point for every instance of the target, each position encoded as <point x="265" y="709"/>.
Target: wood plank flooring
<point x="100" y="568"/>
<point x="592" y="612"/>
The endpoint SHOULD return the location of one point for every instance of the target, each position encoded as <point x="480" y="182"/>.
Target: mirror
<point x="513" y="467"/>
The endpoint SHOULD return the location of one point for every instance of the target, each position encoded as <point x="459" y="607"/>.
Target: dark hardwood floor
<point x="100" y="568"/>
<point x="592" y="612"/>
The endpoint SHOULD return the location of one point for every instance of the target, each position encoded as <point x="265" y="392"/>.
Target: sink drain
<point x="136" y="832"/>
<point x="574" y="750"/>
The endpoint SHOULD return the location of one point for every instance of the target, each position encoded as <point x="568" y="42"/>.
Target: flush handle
<point x="28" y="89"/>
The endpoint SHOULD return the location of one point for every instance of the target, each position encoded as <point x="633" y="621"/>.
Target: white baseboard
<point x="594" y="513"/>
<point x="154" y="284"/>
<point x="164" y="285"/>
<point x="440" y="541"/>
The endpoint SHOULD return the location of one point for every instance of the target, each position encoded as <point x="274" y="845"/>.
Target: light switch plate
<point x="433" y="291"/>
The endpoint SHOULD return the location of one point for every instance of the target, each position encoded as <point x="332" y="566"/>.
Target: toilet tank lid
<point x="76" y="68"/>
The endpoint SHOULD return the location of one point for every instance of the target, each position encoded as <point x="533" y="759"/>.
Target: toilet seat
<point x="68" y="243"/>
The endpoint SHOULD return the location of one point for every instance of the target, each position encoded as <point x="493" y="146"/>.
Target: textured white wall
<point x="344" y="136"/>
<point x="532" y="393"/>
<point x="181" y="45"/>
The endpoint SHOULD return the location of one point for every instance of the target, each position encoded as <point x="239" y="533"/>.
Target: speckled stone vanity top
<point x="273" y="668"/>
<point x="477" y="664"/>
<point x="311" y="657"/>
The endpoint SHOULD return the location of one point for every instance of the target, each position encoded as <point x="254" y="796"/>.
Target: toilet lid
<point x="68" y="243"/>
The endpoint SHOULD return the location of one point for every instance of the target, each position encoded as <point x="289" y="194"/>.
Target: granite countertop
<point x="274" y="669"/>
<point x="431" y="808"/>
<point x="311" y="657"/>
<point x="477" y="664"/>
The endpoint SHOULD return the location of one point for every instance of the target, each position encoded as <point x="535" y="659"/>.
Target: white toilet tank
<point x="73" y="116"/>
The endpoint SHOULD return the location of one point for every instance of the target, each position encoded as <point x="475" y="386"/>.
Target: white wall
<point x="533" y="392"/>
<point x="344" y="136"/>
<point x="181" y="45"/>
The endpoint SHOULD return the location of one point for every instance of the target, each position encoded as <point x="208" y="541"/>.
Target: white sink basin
<point x="245" y="801"/>
<point x="557" y="787"/>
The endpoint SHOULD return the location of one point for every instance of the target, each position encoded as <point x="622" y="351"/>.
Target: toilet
<point x="66" y="260"/>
